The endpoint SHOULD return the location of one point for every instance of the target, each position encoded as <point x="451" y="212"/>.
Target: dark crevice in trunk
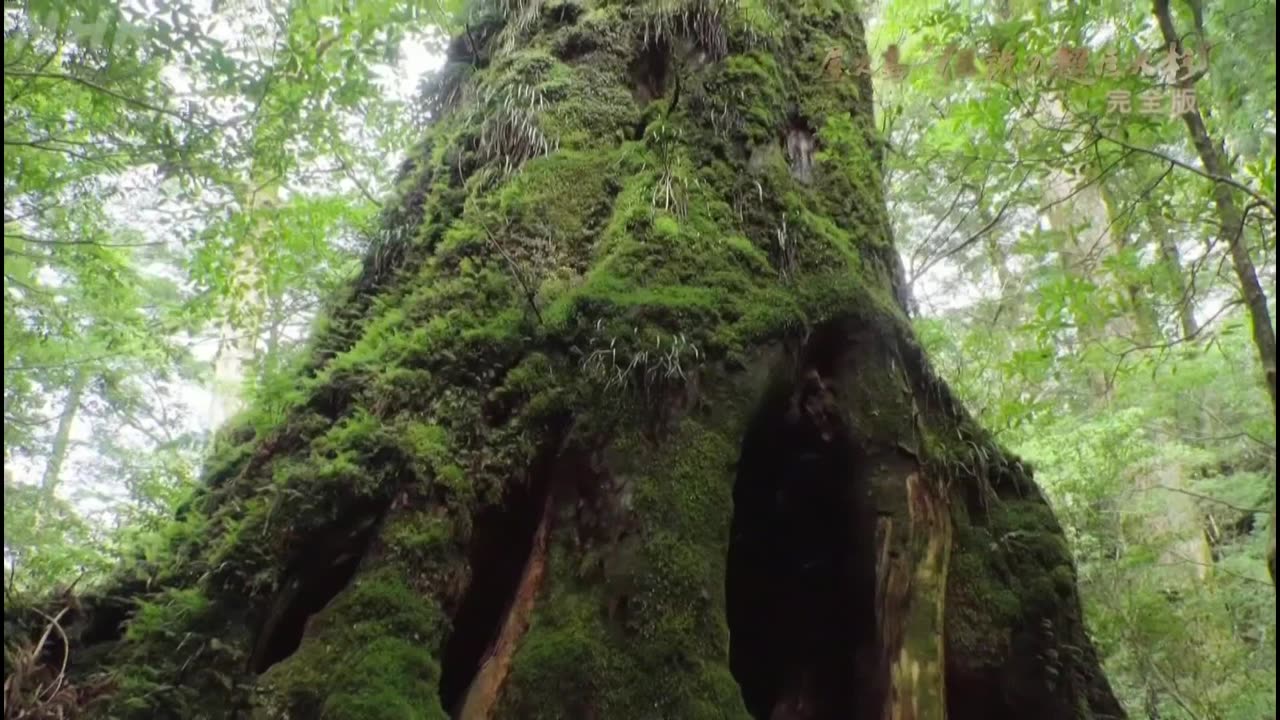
<point x="107" y="617"/>
<point x="500" y="547"/>
<point x="801" y="568"/>
<point x="323" y="570"/>
<point x="976" y="696"/>
<point x="650" y="71"/>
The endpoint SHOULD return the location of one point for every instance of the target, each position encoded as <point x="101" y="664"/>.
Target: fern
<point x="509" y="132"/>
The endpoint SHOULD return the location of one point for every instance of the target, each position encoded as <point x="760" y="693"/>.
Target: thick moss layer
<point x="635" y="625"/>
<point x="367" y="655"/>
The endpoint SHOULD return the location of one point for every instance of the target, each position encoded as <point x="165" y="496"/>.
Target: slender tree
<point x="1231" y="220"/>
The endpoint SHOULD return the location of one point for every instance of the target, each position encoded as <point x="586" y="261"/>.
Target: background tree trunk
<point x="61" y="442"/>
<point x="631" y="425"/>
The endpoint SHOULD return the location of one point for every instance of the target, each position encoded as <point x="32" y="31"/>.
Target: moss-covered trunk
<point x="623" y="419"/>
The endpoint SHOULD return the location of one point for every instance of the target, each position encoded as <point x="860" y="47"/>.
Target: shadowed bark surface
<point x="623" y="418"/>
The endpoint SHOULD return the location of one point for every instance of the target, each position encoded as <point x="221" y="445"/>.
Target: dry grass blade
<point x="33" y="691"/>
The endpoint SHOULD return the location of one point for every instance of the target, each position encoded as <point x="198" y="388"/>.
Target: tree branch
<point x="1261" y="199"/>
<point x="1208" y="498"/>
<point x="98" y="88"/>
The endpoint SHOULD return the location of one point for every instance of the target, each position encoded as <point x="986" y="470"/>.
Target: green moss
<point x="532" y="66"/>
<point x="397" y="381"/>
<point x="755" y="20"/>
<point x="433" y="457"/>
<point x="1007" y="583"/>
<point x="592" y="109"/>
<point x="382" y="634"/>
<point x="849" y="172"/>
<point x="573" y="664"/>
<point x="342" y="457"/>
<point x="230" y="455"/>
<point x="659" y="273"/>
<point x="175" y="631"/>
<point x="419" y="536"/>
<point x="392" y="681"/>
<point x="564" y="659"/>
<point x="754" y="83"/>
<point x="461" y="239"/>
<point x="663" y="648"/>
<point x="1064" y="580"/>
<point x="822" y="243"/>
<point x="167" y="613"/>
<point x="535" y="387"/>
<point x="435" y="386"/>
<point x="981" y="610"/>
<point x="359" y="432"/>
<point x="559" y="198"/>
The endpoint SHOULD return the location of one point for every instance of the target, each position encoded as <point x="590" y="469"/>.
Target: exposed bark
<point x="482" y="695"/>
<point x="689" y="486"/>
<point x="911" y="603"/>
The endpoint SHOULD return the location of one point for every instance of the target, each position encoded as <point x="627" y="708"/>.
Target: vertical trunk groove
<point x="482" y="695"/>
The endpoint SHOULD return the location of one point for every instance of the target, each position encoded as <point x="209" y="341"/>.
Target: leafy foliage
<point x="176" y="185"/>
<point x="184" y="186"/>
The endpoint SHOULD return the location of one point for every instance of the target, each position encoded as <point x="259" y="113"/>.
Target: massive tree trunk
<point x="623" y="419"/>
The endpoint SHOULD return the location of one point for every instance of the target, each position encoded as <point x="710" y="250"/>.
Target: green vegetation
<point x="619" y="222"/>
<point x="1076" y="289"/>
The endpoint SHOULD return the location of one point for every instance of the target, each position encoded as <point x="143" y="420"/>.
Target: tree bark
<point x="703" y="470"/>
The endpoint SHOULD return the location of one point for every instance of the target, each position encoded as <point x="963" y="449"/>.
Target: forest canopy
<point x="200" y="197"/>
